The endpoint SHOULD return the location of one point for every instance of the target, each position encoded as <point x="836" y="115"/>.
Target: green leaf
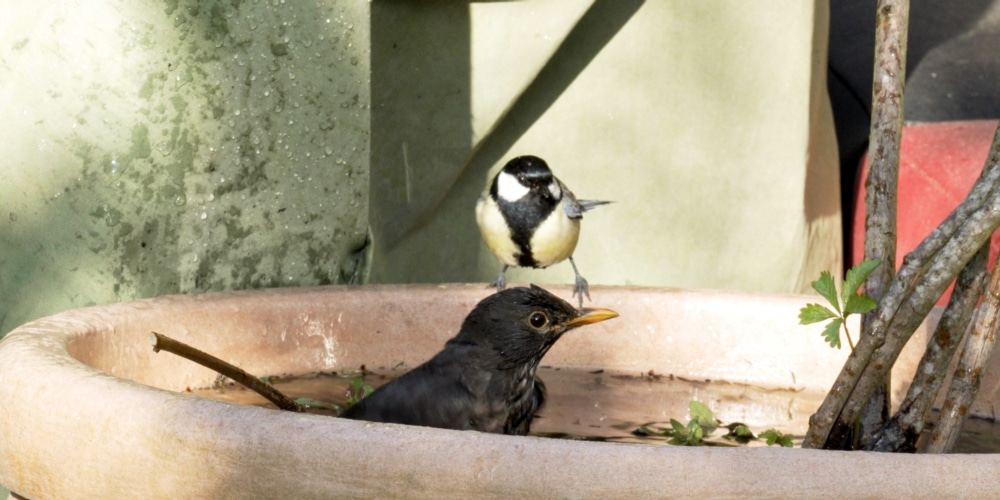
<point x="740" y="433"/>
<point x="695" y="433"/>
<point x="702" y="415"/>
<point x="312" y="403"/>
<point x="859" y="304"/>
<point x="679" y="428"/>
<point x="824" y="285"/>
<point x="774" y="436"/>
<point x="856" y="276"/>
<point x="832" y="332"/>
<point x="814" y="313"/>
<point x="646" y="430"/>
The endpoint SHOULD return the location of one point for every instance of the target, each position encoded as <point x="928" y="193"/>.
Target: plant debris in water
<point x="703" y="423"/>
<point x="589" y="404"/>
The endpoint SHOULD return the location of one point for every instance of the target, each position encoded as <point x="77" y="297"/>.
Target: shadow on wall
<point x="423" y="149"/>
<point x="951" y="67"/>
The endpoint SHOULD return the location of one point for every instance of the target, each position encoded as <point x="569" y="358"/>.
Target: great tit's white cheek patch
<point x="555" y="189"/>
<point x="509" y="188"/>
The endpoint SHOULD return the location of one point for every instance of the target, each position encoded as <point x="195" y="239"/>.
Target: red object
<point x="939" y="162"/>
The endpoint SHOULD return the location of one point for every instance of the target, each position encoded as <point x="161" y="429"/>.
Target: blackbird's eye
<point x="538" y="320"/>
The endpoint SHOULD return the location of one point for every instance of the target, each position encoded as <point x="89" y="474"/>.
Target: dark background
<point x="952" y="67"/>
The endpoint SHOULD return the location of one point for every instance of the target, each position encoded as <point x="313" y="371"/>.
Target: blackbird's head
<point x="521" y="324"/>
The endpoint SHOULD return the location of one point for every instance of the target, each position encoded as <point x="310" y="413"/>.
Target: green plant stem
<point x="847" y="333"/>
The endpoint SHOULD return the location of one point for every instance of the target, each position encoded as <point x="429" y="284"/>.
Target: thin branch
<point x="889" y="76"/>
<point x="970" y="370"/>
<point x="901" y="433"/>
<point x="162" y="342"/>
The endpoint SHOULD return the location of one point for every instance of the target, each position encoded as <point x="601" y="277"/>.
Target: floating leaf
<point x="678" y="427"/>
<point x="695" y="433"/>
<point x="312" y="403"/>
<point x="702" y="415"/>
<point x="646" y="430"/>
<point x="740" y="433"/>
<point x="774" y="436"/>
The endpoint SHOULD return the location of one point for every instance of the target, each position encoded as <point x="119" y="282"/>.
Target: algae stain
<point x="141" y="147"/>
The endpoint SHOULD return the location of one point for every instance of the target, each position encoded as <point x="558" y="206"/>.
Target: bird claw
<point x="501" y="281"/>
<point x="581" y="288"/>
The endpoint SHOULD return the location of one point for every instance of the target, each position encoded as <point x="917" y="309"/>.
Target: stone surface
<point x="179" y="146"/>
<point x="114" y="425"/>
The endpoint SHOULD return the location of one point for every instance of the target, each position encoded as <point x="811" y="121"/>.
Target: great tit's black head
<point x="521" y="324"/>
<point x="526" y="175"/>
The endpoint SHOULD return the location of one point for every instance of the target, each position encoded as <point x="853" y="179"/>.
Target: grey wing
<point x="575" y="208"/>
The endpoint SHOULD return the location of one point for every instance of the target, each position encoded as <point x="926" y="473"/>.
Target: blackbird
<point x="484" y="378"/>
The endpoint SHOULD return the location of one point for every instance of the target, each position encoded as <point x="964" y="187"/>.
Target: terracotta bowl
<point x="88" y="410"/>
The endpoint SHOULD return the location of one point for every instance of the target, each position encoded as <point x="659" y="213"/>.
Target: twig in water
<point x="162" y="342"/>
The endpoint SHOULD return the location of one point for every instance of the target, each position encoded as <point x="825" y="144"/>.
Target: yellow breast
<point x="495" y="232"/>
<point x="555" y="240"/>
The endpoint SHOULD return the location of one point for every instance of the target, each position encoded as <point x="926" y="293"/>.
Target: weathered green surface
<point x="182" y="146"/>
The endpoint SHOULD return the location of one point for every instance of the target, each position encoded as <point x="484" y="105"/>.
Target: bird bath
<point x="88" y="410"/>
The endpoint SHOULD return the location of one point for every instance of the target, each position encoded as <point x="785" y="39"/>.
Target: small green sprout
<point x="703" y="423"/>
<point x="358" y="391"/>
<point x="313" y="403"/>
<point x="852" y="300"/>
<point x="740" y="433"/>
<point x="691" y="435"/>
<point x="703" y="416"/>
<point x="774" y="436"/>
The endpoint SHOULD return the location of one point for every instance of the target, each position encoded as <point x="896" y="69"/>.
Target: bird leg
<point x="581" y="288"/>
<point x="501" y="281"/>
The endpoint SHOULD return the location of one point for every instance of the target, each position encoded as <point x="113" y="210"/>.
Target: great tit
<point x="484" y="378"/>
<point x="529" y="218"/>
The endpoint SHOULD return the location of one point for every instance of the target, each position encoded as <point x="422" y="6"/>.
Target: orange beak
<point x="590" y="315"/>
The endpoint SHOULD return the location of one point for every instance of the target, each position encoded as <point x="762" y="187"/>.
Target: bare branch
<point x="162" y="342"/>
<point x="891" y="22"/>
<point x="970" y="370"/>
<point x="975" y="219"/>
<point x="902" y="431"/>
